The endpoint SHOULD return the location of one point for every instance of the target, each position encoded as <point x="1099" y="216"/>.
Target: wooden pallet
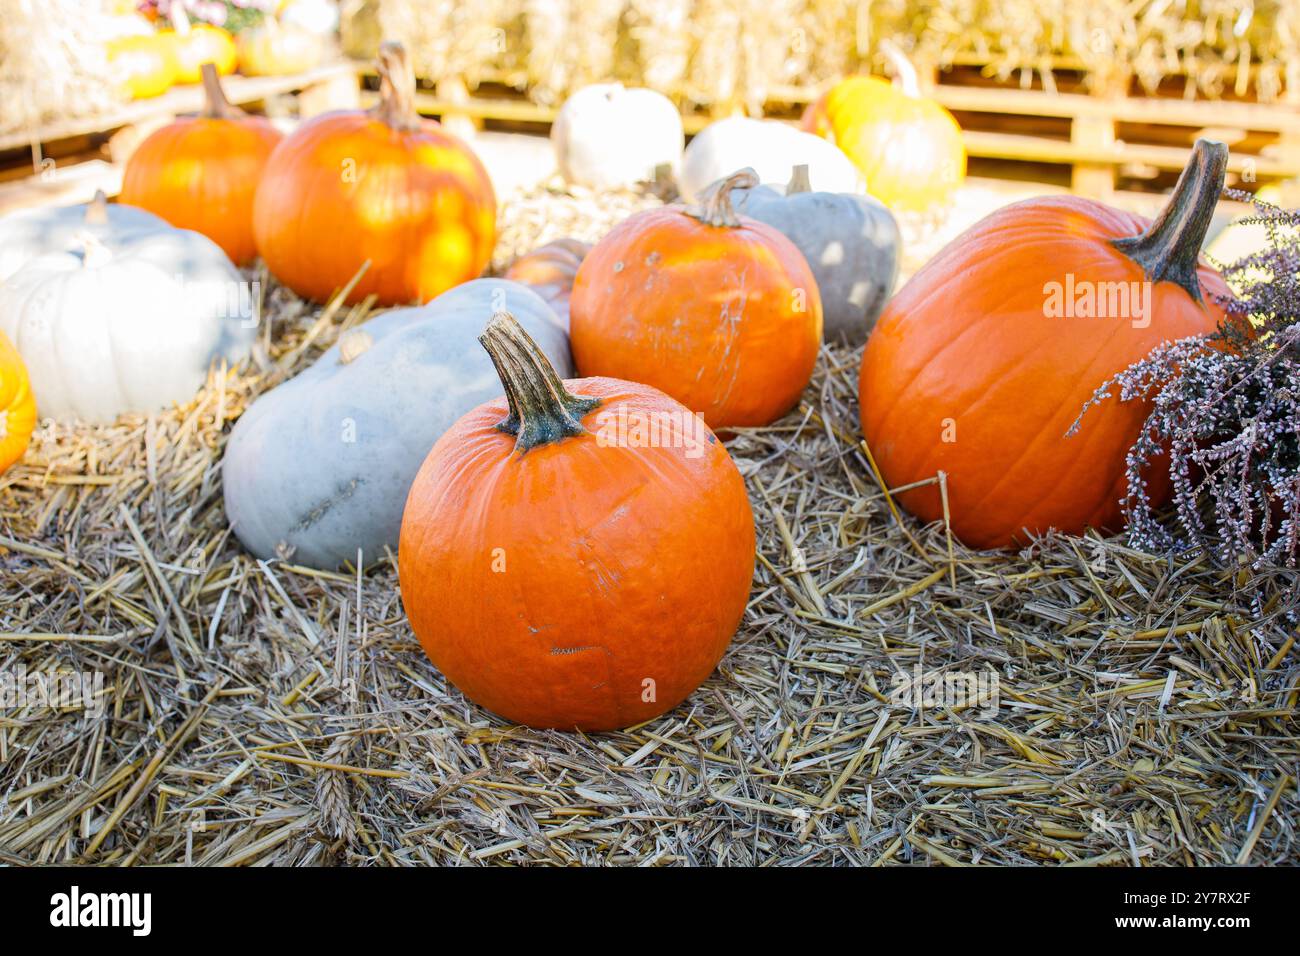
<point x="1088" y="144"/>
<point x="327" y="87"/>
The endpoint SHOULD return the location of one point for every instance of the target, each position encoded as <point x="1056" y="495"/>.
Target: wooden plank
<point x="1039" y="150"/>
<point x="178" y="100"/>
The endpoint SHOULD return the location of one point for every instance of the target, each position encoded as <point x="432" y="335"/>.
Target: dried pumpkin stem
<point x="799" y="181"/>
<point x="97" y="210"/>
<point x="714" y="207"/>
<point x="215" y="104"/>
<point x="542" y="410"/>
<point x="904" y="71"/>
<point x="1169" y="249"/>
<point x="396" y="87"/>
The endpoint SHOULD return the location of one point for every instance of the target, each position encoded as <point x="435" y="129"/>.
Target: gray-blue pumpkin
<point x="852" y="243"/>
<point x="32" y="233"/>
<point x="319" y="467"/>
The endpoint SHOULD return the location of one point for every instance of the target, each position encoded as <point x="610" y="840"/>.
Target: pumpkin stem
<point x="396" y="87"/>
<point x="714" y="207"/>
<point x="542" y="410"/>
<point x="93" y="252"/>
<point x="799" y="181"/>
<point x="1169" y="249"/>
<point x="179" y="18"/>
<point x="97" y="209"/>
<point x="904" y="71"/>
<point x="215" y="104"/>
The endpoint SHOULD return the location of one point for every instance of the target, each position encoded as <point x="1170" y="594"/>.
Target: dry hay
<point x="265" y="713"/>
<point x="729" y="54"/>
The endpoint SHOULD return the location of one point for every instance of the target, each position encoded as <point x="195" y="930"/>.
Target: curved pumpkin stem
<point x="714" y="207"/>
<point x="97" y="209"/>
<point x="396" y="87"/>
<point x="1169" y="249"/>
<point x="542" y="410"/>
<point x="215" y="104"/>
<point x="904" y="71"/>
<point x="799" y="181"/>
<point x="180" y="20"/>
<point x="93" y="252"/>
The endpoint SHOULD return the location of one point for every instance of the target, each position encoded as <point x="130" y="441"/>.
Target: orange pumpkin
<point x="17" y="405"/>
<point x="385" y="186"/>
<point x="201" y="172"/>
<point x="144" y="66"/>
<point x="718" y="310"/>
<point x="195" y="45"/>
<point x="550" y="269"/>
<point x="981" y="363"/>
<point x="558" y="570"/>
<point x="909" y="148"/>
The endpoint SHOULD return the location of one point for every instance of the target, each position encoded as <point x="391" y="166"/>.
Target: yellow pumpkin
<point x="275" y="50"/>
<point x="145" y="66"/>
<point x="908" y="147"/>
<point x="17" y="405"/>
<point x="198" y="44"/>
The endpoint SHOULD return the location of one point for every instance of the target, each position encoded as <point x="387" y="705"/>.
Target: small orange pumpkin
<point x="718" y="310"/>
<point x="196" y="44"/>
<point x="981" y="363"/>
<point x="17" y="405"/>
<point x="201" y="172"/>
<point x="386" y="186"/>
<point x="563" y="572"/>
<point x="550" y="269"/>
<point x="909" y="148"/>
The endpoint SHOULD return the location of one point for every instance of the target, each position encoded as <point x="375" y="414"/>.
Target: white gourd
<point x="320" y="466"/>
<point x="135" y="327"/>
<point x="607" y="136"/>
<point x="770" y="148"/>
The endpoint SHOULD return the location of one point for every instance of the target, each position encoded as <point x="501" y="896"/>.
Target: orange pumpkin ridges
<point x="386" y="186"/>
<point x="562" y="577"/>
<point x="201" y="172"/>
<point x="718" y="310"/>
<point x="982" y="362"/>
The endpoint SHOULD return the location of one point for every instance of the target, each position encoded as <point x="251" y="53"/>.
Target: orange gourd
<point x="909" y="148"/>
<point x="550" y="269"/>
<point x="718" y="310"/>
<point x="981" y="363"/>
<point x="17" y="405"/>
<point x="201" y="172"/>
<point x="196" y="44"/>
<point x="385" y="186"/>
<point x="560" y="571"/>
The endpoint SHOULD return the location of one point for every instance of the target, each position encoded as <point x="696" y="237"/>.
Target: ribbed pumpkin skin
<point x="622" y="565"/>
<point x="17" y="405"/>
<point x="966" y="341"/>
<point x="346" y="187"/>
<point x="200" y="173"/>
<point x="725" y="320"/>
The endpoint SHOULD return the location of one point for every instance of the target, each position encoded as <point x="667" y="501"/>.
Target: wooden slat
<point x="1039" y="150"/>
<point x="177" y="100"/>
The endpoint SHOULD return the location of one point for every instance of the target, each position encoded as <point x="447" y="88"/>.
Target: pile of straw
<point x="1144" y="710"/>
<point x="53" y="63"/>
<point x="726" y="54"/>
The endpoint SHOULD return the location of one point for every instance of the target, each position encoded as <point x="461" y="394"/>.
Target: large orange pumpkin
<point x="201" y="172"/>
<point x="909" y="148"/>
<point x="17" y="405"/>
<point x="981" y="363"/>
<point x="562" y="568"/>
<point x="385" y="186"/>
<point x="716" y="309"/>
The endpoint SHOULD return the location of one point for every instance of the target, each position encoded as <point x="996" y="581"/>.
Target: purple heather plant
<point x="1225" y="408"/>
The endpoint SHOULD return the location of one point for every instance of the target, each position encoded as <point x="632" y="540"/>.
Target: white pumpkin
<point x="105" y="330"/>
<point x="770" y="148"/>
<point x="851" y="241"/>
<point x="31" y="233"/>
<point x="607" y="136"/>
<point x="320" y="466"/>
